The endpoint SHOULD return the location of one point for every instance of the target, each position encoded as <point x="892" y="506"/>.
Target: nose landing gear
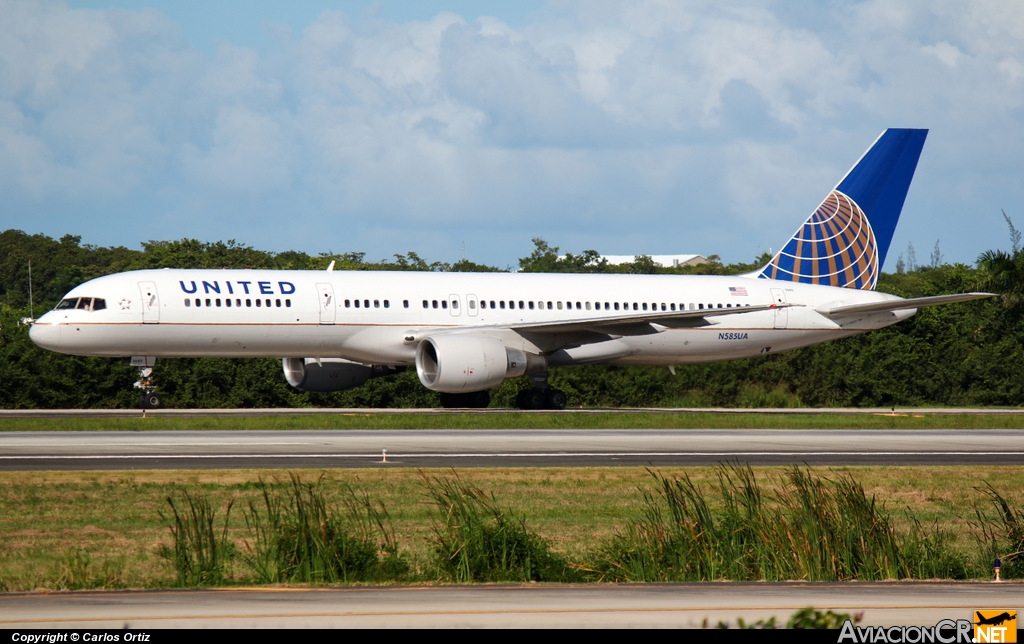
<point x="146" y="382"/>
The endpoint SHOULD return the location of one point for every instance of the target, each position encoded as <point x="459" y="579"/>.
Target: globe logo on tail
<point x="834" y="247"/>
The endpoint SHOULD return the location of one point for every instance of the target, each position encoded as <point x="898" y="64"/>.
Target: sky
<point x="468" y="128"/>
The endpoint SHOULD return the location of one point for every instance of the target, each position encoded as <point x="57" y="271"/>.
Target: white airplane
<point x="467" y="332"/>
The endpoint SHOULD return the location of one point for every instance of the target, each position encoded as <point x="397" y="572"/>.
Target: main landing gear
<point x="540" y="395"/>
<point x="146" y="382"/>
<point x="472" y="400"/>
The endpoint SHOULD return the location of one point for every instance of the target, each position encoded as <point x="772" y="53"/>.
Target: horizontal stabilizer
<point x="901" y="304"/>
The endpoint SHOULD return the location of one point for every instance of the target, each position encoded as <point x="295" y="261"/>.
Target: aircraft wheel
<point x="150" y="401"/>
<point x="479" y="399"/>
<point x="555" y="399"/>
<point x="530" y="399"/>
<point x="472" y="400"/>
<point x="449" y="401"/>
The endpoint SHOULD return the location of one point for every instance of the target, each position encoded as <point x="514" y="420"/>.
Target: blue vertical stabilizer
<point x="845" y="241"/>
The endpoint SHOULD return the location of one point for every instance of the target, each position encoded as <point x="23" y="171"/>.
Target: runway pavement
<point x="504" y="448"/>
<point x="593" y="606"/>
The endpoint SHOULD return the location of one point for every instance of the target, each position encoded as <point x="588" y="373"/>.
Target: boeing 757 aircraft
<point x="467" y="332"/>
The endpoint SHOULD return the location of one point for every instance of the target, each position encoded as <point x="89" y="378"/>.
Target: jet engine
<point x="465" y="363"/>
<point x="330" y="374"/>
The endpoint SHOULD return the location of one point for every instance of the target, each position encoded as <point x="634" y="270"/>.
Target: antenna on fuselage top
<point x="330" y="267"/>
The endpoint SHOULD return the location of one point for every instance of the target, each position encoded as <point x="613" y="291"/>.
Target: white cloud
<point x="662" y="124"/>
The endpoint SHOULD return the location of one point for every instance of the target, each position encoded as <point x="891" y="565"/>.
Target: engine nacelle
<point x="329" y="374"/>
<point x="460" y="363"/>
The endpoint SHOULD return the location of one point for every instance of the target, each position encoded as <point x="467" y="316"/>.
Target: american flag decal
<point x="740" y="291"/>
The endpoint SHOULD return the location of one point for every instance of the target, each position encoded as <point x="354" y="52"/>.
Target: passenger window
<point x="434" y="303"/>
<point x="259" y="303"/>
<point x="531" y="305"/>
<point x="188" y="302"/>
<point x="268" y="301"/>
<point x="444" y="304"/>
<point x="387" y="304"/>
<point x="376" y="304"/>
<point x="217" y="301"/>
<point x="227" y="302"/>
<point x="248" y="302"/>
<point x="277" y="303"/>
<point x="472" y="305"/>
<point x="503" y="304"/>
<point x="405" y="303"/>
<point x="424" y="304"/>
<point x="288" y="303"/>
<point x="616" y="306"/>
<point x="588" y="306"/>
<point x="348" y="304"/>
<point x="559" y="305"/>
<point x="207" y="301"/>
<point x="357" y="304"/>
<point x="455" y="304"/>
<point x="522" y="304"/>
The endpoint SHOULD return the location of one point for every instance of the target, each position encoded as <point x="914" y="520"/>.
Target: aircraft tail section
<point x="844" y="242"/>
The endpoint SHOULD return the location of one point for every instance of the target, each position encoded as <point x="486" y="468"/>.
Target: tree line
<point x="953" y="355"/>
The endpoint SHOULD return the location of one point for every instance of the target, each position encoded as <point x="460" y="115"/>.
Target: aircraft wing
<point x="901" y="304"/>
<point x="640" y="324"/>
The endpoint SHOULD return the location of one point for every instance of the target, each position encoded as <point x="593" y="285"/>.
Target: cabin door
<point x="327" y="305"/>
<point x="781" y="314"/>
<point x="150" y="302"/>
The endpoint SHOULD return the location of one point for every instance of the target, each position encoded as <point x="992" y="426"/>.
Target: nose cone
<point x="45" y="335"/>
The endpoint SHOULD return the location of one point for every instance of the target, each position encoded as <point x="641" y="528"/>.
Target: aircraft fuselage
<point x="380" y="317"/>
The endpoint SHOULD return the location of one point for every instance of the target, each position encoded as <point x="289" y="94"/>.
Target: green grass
<point x="529" y="420"/>
<point x="810" y="527"/>
<point x="300" y="534"/>
<point x="476" y="539"/>
<point x="107" y="529"/>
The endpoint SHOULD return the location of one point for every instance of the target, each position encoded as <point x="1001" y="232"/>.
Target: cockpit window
<point x="82" y="303"/>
